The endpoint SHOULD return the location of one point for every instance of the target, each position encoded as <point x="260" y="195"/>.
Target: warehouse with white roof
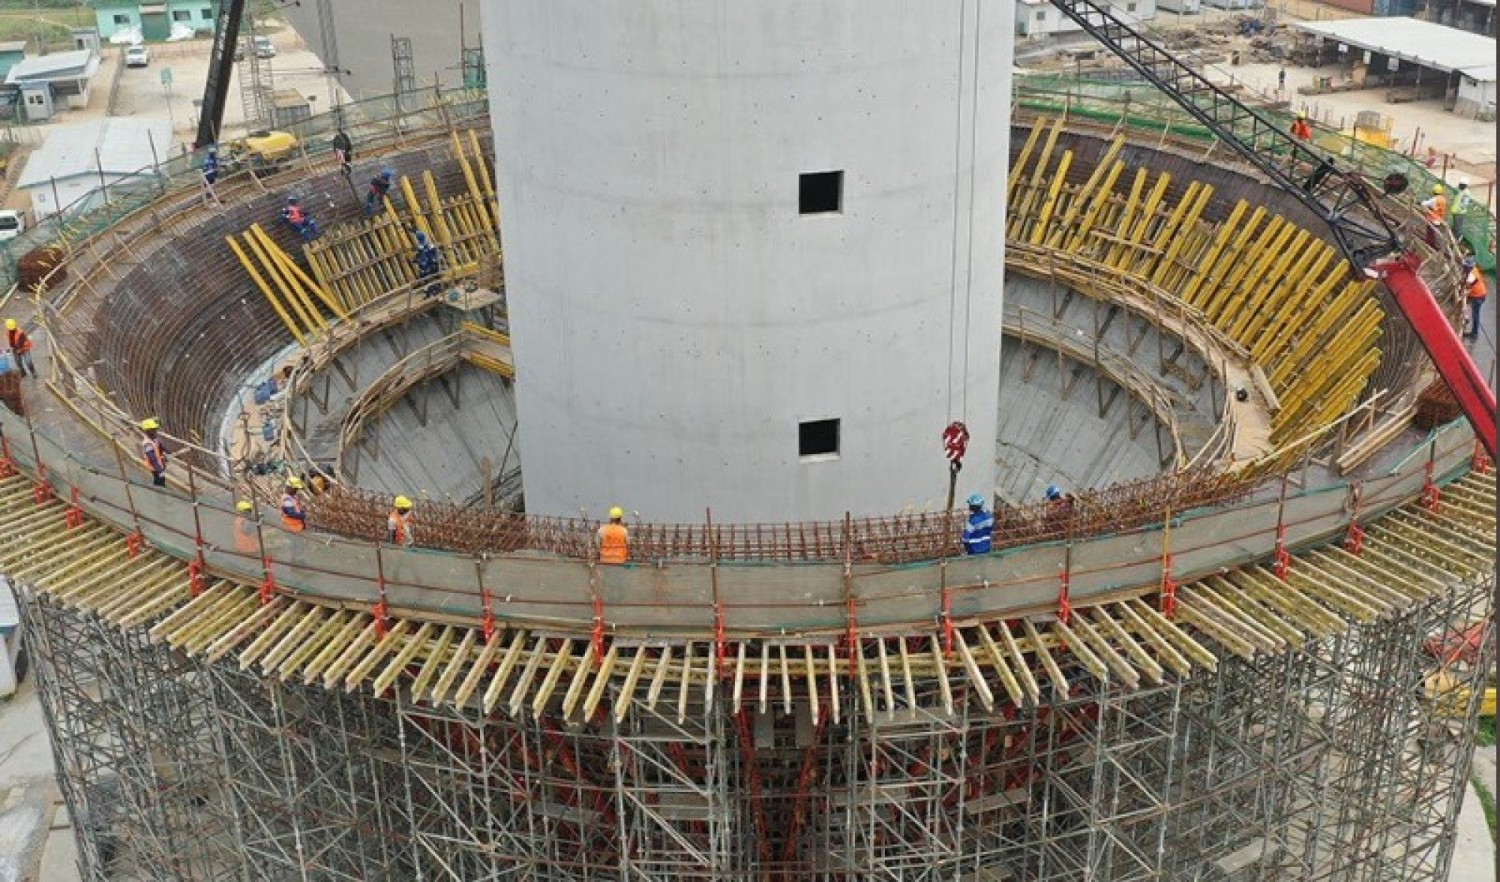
<point x="1463" y="61"/>
<point x="78" y="159"/>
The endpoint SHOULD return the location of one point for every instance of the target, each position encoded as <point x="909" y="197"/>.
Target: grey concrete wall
<point x="677" y="318"/>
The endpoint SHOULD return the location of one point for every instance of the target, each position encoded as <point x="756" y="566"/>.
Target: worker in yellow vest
<point x="614" y="539"/>
<point x="398" y="525"/>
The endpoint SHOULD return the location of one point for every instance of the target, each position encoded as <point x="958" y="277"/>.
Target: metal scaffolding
<point x="1339" y="760"/>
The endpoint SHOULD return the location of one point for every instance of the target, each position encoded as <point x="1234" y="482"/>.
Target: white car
<point x="137" y="56"/>
<point x="12" y="224"/>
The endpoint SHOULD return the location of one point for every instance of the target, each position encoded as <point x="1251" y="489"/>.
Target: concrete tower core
<point x="727" y="223"/>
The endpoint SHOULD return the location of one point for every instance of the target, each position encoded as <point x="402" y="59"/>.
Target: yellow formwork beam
<point x="256" y="239"/>
<point x="1086" y="195"/>
<point x="1189" y="282"/>
<point x="1169" y="267"/>
<point x="265" y="290"/>
<point x="1275" y="285"/>
<point x="306" y="287"/>
<point x="1231" y="299"/>
<point x="482" y="172"/>
<point x="1305" y="287"/>
<point x="1100" y="198"/>
<point x="1049" y="205"/>
<point x="1123" y="219"/>
<point x="439" y="222"/>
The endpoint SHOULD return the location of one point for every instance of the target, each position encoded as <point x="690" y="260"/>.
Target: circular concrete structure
<point x="1187" y="676"/>
<point x="729" y="223"/>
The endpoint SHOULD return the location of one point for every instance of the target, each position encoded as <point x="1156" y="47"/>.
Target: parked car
<point x="263" y="47"/>
<point x="137" y="56"/>
<point x="12" y="224"/>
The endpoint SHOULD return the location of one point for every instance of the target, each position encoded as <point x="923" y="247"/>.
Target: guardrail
<point x="711" y="592"/>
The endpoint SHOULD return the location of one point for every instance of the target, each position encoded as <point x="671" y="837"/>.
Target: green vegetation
<point x="1486" y="734"/>
<point x="20" y="21"/>
<point x="1486" y="801"/>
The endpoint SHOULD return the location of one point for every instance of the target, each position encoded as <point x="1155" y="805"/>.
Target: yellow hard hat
<point x="294" y="482"/>
<point x="1438" y="189"/>
<point x="245" y="505"/>
<point x="402" y="502"/>
<point x="616" y="513"/>
<point x="10" y="324"/>
<point x="149" y="423"/>
<point x="1301" y="115"/>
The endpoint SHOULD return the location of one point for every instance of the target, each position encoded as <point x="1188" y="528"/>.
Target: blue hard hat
<point x="1469" y="261"/>
<point x="1053" y="492"/>
<point x="421" y="238"/>
<point x="976" y="501"/>
<point x="387" y="173"/>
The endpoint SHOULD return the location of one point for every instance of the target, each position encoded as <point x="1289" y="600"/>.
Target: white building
<point x="77" y="163"/>
<point x="753" y="249"/>
<point x="47" y="81"/>
<point x="1463" y="61"/>
<point x="1039" y="18"/>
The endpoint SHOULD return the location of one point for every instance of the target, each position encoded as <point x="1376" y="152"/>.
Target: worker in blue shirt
<point x="429" y="260"/>
<point x="980" y="527"/>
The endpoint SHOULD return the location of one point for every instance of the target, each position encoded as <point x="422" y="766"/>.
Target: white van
<point x="12" y="224"/>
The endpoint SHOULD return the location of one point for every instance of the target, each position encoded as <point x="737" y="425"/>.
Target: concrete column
<point x="676" y="316"/>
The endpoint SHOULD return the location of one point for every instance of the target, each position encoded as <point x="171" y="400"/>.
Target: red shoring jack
<point x="381" y="613"/>
<point x="1432" y="494"/>
<point x="134" y="543"/>
<point x="596" y="637"/>
<point x="73" y="514"/>
<point x="267" y="587"/>
<point x="1354" y="542"/>
<point x="1283" y="557"/>
<point x="488" y="623"/>
<point x="1064" y="606"/>
<point x="1480" y="463"/>
<point x="195" y="577"/>
<point x="851" y="637"/>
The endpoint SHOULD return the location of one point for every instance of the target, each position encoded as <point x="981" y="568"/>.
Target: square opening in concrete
<point x="818" y="438"/>
<point x="820" y="192"/>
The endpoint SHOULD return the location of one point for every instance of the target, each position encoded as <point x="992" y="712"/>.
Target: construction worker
<point x="343" y="152"/>
<point x="1463" y="204"/>
<point x="429" y="260"/>
<point x="1435" y="209"/>
<point x="293" y="515"/>
<point x="1475" y="291"/>
<point x="154" y="452"/>
<point x="979" y="529"/>
<point x="398" y="525"/>
<point x="299" y="219"/>
<point x="1053" y="494"/>
<point x="246" y="534"/>
<point x="19" y="344"/>
<point x="1301" y="130"/>
<point x="614" y="539"/>
<point x="380" y="185"/>
<point x="211" y="167"/>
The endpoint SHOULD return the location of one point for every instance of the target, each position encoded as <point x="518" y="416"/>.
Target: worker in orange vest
<point x="154" y="452"/>
<point x="1300" y="129"/>
<point x="293" y="515"/>
<point x="1435" y="209"/>
<point x="246" y="536"/>
<point x="398" y="525"/>
<point x="20" y="346"/>
<point x="1475" y="291"/>
<point x="614" y="539"/>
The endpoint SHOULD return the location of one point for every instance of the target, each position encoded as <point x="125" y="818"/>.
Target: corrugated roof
<point x="123" y="145"/>
<point x="1421" y="42"/>
<point x="79" y="63"/>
